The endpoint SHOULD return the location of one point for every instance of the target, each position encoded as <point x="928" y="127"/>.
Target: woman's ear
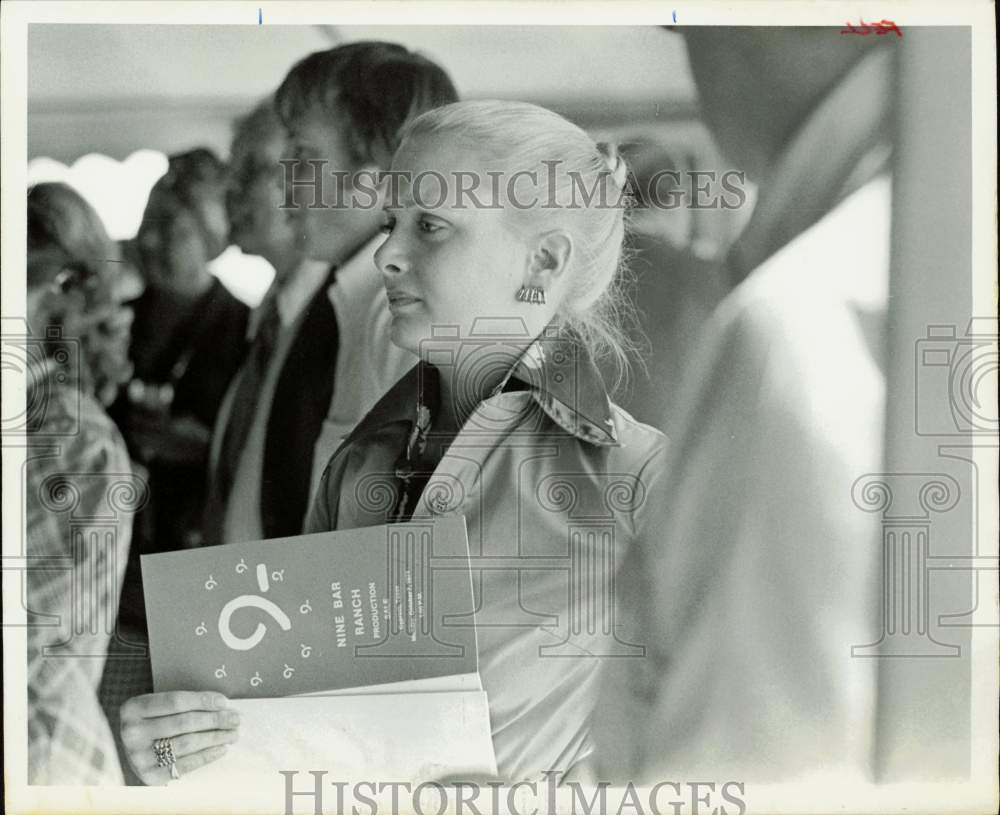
<point x="551" y="257"/>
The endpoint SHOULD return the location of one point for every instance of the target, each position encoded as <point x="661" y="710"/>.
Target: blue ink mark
<point x="675" y="16"/>
<point x="260" y="17"/>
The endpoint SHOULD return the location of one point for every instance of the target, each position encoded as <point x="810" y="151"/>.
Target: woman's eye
<point x="388" y="225"/>
<point x="429" y="227"/>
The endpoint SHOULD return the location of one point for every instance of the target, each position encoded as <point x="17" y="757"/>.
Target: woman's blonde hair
<point x="581" y="187"/>
<point x="59" y="218"/>
<point x="66" y="235"/>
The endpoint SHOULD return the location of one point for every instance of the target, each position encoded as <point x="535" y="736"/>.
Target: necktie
<point x="244" y="405"/>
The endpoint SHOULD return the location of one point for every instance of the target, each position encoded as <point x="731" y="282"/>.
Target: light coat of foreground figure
<point x="766" y="578"/>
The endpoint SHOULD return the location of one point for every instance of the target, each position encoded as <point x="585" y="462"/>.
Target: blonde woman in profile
<point x="517" y="434"/>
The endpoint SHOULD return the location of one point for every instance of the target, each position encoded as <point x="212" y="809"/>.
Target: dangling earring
<point x="531" y="294"/>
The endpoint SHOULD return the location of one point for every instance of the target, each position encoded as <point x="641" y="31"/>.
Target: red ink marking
<point x="880" y="28"/>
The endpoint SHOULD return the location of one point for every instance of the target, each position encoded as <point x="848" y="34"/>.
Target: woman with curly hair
<point x="77" y="469"/>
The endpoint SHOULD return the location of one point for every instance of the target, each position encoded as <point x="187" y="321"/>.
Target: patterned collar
<point x="561" y="374"/>
<point x="556" y="368"/>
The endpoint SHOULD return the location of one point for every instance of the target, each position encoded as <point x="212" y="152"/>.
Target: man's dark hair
<point x="370" y="89"/>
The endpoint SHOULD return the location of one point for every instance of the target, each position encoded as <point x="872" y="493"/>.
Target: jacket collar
<point x="291" y="299"/>
<point x="556" y="369"/>
<point x="561" y="374"/>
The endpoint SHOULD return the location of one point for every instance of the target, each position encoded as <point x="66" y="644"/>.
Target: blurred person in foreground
<point x="322" y="355"/>
<point x="77" y="467"/>
<point x="766" y="573"/>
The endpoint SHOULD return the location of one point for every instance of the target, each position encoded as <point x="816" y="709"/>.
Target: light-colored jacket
<point x="760" y="611"/>
<point x="554" y="482"/>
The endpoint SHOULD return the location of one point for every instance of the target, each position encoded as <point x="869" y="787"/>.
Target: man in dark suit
<point x="269" y="418"/>
<point x="309" y="334"/>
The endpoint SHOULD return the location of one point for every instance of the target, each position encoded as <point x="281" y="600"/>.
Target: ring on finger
<point x="185" y="744"/>
<point x="163" y="749"/>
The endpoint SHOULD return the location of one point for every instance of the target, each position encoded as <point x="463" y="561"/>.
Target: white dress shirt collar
<point x="292" y="297"/>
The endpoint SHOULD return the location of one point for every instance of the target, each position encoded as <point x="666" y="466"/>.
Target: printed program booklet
<point x="357" y="646"/>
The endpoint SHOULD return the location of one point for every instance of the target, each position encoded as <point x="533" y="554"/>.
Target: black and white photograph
<point x="424" y="407"/>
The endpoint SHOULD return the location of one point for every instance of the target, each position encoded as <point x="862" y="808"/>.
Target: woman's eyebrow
<point x="402" y="200"/>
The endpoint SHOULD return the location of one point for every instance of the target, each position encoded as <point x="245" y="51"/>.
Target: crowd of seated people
<point x="230" y="423"/>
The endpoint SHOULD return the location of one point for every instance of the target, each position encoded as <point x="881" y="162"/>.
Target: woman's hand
<point x="198" y="725"/>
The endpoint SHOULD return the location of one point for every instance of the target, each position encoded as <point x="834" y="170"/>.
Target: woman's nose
<point x="390" y="258"/>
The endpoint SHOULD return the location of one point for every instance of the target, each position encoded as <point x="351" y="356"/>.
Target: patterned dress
<point x="80" y="495"/>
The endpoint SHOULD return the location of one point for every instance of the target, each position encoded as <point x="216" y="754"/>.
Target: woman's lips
<point x="400" y="300"/>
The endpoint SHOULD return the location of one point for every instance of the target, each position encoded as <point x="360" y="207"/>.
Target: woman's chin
<point x="405" y="334"/>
